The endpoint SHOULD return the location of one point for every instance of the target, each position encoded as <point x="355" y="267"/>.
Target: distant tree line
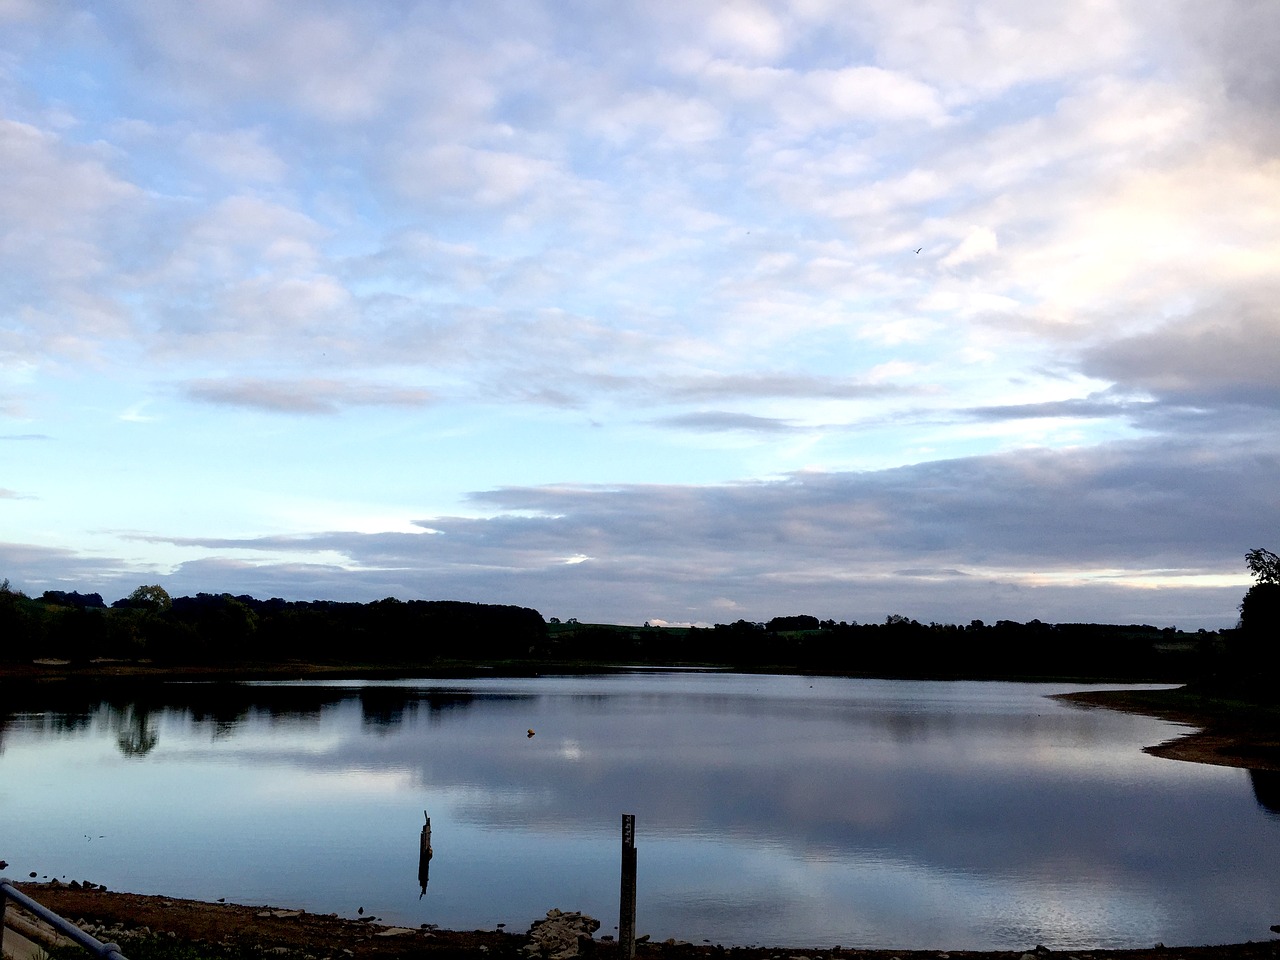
<point x="902" y="647"/>
<point x="219" y="629"/>
<point x="223" y="629"/>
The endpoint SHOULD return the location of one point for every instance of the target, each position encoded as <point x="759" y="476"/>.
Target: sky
<point x="664" y="311"/>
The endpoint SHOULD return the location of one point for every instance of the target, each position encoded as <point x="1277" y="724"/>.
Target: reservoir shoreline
<point x="290" y="932"/>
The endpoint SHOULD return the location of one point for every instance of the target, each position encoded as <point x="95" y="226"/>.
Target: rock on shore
<point x="560" y="935"/>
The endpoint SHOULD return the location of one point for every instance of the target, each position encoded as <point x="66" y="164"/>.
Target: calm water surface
<point x="770" y="810"/>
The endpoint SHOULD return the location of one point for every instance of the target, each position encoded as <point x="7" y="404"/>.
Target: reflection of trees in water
<point x="49" y="722"/>
<point x="224" y="707"/>
<point x="138" y="736"/>
<point x="385" y="708"/>
<point x="223" y="720"/>
<point x="228" y="705"/>
<point x="1266" y="790"/>
<point x="224" y="730"/>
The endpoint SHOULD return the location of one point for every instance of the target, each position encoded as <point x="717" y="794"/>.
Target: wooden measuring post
<point x="627" y="898"/>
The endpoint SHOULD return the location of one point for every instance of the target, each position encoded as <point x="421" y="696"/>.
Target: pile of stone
<point x="561" y="935"/>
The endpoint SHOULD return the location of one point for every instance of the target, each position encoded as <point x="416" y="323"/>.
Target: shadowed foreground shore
<point x="168" y="927"/>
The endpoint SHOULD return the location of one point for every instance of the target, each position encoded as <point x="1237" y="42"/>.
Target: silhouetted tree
<point x="1258" y="634"/>
<point x="20" y="624"/>
<point x="151" y="597"/>
<point x="801" y="622"/>
<point x="72" y="598"/>
<point x="1264" y="565"/>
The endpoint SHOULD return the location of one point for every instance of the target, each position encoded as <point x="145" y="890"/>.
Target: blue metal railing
<point x="107" y="951"/>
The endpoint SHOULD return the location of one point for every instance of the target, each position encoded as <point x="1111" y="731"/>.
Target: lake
<point x="771" y="810"/>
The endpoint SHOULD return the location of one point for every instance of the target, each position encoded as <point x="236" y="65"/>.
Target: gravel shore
<point x="281" y="930"/>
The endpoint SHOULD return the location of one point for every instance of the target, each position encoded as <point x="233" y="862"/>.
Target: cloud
<point x="1035" y="510"/>
<point x="240" y="155"/>
<point x="56" y="187"/>
<point x="1234" y="41"/>
<point x="463" y="175"/>
<point x="825" y="99"/>
<point x="1006" y="48"/>
<point x="978" y="242"/>
<point x="653" y="118"/>
<point x="244" y="233"/>
<point x="59" y="216"/>
<point x="1102" y="405"/>
<point x="1032" y="534"/>
<point x="1225" y="354"/>
<point x="311" y="397"/>
<point x="714" y="421"/>
<point x="332" y="65"/>
<point x="771" y="385"/>
<point x="545" y="230"/>
<point x="19" y="11"/>
<point x="747" y="29"/>
<point x="34" y="568"/>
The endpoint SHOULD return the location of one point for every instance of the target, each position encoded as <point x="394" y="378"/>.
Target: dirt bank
<point x="1222" y="732"/>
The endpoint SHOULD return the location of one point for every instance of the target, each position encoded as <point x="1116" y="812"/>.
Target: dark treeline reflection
<point x="224" y="706"/>
<point x="390" y="707"/>
<point x="138" y="735"/>
<point x="1266" y="789"/>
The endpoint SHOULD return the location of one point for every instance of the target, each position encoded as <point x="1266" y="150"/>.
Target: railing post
<point x="108" y="951"/>
<point x="3" y="907"/>
<point x="627" y="895"/>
